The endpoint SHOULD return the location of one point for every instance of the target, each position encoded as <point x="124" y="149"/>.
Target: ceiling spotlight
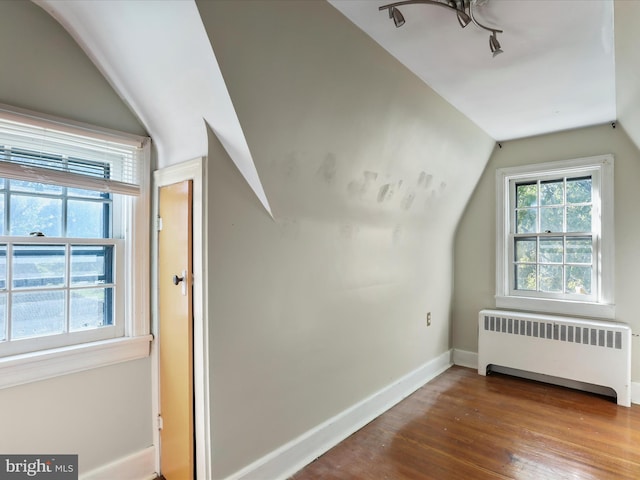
<point x="494" y="44"/>
<point x="462" y="8"/>
<point x="398" y="18"/>
<point x="463" y="19"/>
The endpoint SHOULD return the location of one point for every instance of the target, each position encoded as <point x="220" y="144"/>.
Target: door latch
<point x="176" y="280"/>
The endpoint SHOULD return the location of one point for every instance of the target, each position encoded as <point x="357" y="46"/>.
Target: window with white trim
<point x="555" y="237"/>
<point x="73" y="220"/>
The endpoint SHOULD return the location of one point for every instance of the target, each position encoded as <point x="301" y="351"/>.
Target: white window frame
<point x="601" y="304"/>
<point x="134" y="338"/>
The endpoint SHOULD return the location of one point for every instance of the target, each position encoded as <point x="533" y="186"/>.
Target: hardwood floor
<point x="465" y="426"/>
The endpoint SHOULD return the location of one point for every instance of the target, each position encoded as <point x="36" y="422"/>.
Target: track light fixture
<point x="464" y="12"/>
<point x="398" y="18"/>
<point x="494" y="44"/>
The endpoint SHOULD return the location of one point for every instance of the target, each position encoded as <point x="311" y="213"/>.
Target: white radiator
<point x="585" y="351"/>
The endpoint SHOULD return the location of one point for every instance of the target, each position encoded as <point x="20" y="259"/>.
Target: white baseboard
<point x="465" y="359"/>
<point x="291" y="457"/>
<point x="470" y="359"/>
<point x="138" y="466"/>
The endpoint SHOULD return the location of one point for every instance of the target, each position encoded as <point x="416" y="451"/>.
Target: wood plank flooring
<point x="464" y="426"/>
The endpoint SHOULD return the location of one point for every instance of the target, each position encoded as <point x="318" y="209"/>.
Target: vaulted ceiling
<point x="558" y="69"/>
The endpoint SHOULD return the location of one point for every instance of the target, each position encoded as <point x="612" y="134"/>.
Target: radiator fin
<point x="562" y="332"/>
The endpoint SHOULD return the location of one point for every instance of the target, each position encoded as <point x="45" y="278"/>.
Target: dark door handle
<point x="177" y="279"/>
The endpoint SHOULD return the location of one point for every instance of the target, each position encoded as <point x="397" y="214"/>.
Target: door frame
<point x="194" y="170"/>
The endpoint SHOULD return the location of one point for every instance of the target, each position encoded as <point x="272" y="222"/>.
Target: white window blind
<point x="50" y="151"/>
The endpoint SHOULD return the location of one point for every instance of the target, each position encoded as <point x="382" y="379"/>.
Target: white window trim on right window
<point x="601" y="304"/>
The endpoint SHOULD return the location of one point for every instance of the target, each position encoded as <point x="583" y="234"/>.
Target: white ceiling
<point x="557" y="71"/>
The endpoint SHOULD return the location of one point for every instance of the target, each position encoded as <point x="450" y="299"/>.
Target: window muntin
<point x="555" y="237"/>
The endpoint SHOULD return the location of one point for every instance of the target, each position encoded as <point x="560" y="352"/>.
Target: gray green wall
<point x="367" y="171"/>
<point x="475" y="238"/>
<point x="46" y="71"/>
<point x="101" y="414"/>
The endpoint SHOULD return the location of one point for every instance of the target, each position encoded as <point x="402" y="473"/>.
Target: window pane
<point x="579" y="190"/>
<point x="580" y="250"/>
<point x="551" y="193"/>
<point x="91" y="308"/>
<point x="33" y="187"/>
<point x="551" y="278"/>
<point x="3" y="267"/>
<point x="525" y="250"/>
<point x="87" y="219"/>
<point x="2" y="214"/>
<point x="3" y="316"/>
<point x="551" y="219"/>
<point x="91" y="264"/>
<point x="579" y="219"/>
<point x="551" y="250"/>
<point x="38" y="266"/>
<point x="525" y="277"/>
<point x="37" y="313"/>
<point x="526" y="194"/>
<point x="526" y="221"/>
<point x="578" y="280"/>
<point x="35" y="214"/>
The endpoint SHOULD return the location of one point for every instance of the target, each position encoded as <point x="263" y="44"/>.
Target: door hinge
<point x="159" y="224"/>
<point x="160" y="423"/>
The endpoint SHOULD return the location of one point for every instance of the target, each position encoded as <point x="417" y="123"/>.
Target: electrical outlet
<point x="428" y="319"/>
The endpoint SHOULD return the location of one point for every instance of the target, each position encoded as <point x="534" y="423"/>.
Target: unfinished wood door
<point x="175" y="331"/>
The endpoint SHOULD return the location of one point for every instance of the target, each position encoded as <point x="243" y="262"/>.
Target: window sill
<point x="561" y="307"/>
<point x="36" y="366"/>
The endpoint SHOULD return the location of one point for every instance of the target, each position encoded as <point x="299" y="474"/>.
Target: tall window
<point x="68" y="214"/>
<point x="556" y="237"/>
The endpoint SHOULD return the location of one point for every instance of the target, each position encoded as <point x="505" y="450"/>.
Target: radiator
<point x="585" y="351"/>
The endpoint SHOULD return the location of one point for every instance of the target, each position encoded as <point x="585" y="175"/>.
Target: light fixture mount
<point x="464" y="10"/>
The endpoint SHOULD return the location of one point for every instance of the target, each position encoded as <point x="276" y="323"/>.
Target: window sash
<point x="564" y="233"/>
<point x="67" y="199"/>
<point x="513" y="291"/>
<point x="24" y="345"/>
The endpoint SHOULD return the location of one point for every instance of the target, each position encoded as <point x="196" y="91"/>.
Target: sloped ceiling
<point x="157" y="56"/>
<point x="558" y="70"/>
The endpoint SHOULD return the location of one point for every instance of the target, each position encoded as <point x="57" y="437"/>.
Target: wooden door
<point x="175" y="331"/>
